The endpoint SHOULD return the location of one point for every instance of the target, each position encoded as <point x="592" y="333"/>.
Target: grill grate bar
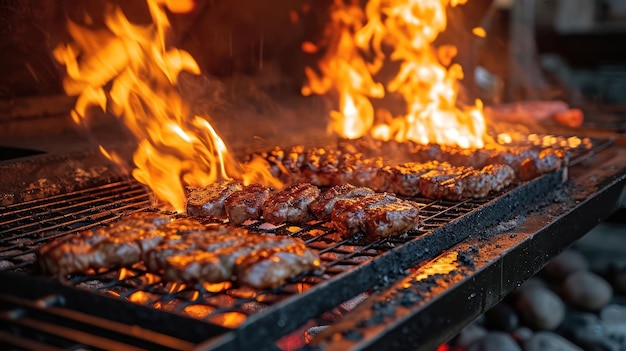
<point x="92" y="210"/>
<point x="12" y="341"/>
<point x="39" y="315"/>
<point x="49" y="207"/>
<point x="64" y="196"/>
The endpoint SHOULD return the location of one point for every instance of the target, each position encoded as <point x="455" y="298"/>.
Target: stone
<point x="522" y="334"/>
<point x="586" y="330"/>
<point x="540" y="308"/>
<point x="501" y="317"/>
<point x="586" y="290"/>
<point x="613" y="314"/>
<point x="568" y="262"/>
<point x="613" y="321"/>
<point x="543" y="340"/>
<point x="468" y="335"/>
<point x="495" y="341"/>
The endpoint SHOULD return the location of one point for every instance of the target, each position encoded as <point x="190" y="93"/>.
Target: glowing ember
<point x="426" y="79"/>
<point x="130" y="71"/>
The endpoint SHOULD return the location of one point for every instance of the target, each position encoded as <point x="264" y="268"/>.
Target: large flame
<point x="130" y="71"/>
<point x="356" y="44"/>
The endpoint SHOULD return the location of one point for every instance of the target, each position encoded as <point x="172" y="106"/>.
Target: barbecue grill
<point x="418" y="289"/>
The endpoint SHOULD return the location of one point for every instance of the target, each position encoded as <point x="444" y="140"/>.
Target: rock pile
<point x="565" y="308"/>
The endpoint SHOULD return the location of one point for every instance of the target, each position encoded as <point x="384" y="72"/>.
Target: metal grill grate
<point x="351" y="266"/>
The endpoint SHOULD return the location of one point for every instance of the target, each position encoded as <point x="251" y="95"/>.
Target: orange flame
<point x="428" y="83"/>
<point x="130" y="71"/>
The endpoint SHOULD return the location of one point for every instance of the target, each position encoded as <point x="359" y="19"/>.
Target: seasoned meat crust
<point x="271" y="265"/>
<point x="443" y="184"/>
<point x="404" y="179"/>
<point x="323" y="205"/>
<point x="376" y="215"/>
<point x="261" y="261"/>
<point x="182" y="250"/>
<point x="117" y="245"/>
<point x="478" y="184"/>
<point x="246" y="203"/>
<point x="209" y="201"/>
<point x="291" y="204"/>
<point x="458" y="182"/>
<point x="206" y="238"/>
<point x="390" y="219"/>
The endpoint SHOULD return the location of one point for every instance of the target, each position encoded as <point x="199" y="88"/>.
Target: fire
<point x="131" y="72"/>
<point x="356" y="44"/>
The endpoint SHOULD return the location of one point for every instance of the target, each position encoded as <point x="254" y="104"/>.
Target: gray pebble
<point x="522" y="334"/>
<point x="566" y="263"/>
<point x="468" y="335"/>
<point x="495" y="341"/>
<point x="613" y="314"/>
<point x="586" y="330"/>
<point x="501" y="317"/>
<point x="540" y="308"/>
<point x="586" y="290"/>
<point x="543" y="341"/>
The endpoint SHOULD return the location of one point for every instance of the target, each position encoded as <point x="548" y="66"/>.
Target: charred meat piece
<point x="209" y="201"/>
<point x="478" y="184"/>
<point x="348" y="215"/>
<point x="547" y="160"/>
<point x="116" y="245"/>
<point x="365" y="171"/>
<point x="211" y="237"/>
<point x="323" y="205"/>
<point x="70" y="254"/>
<point x="291" y="204"/>
<point x="218" y="264"/>
<point x="322" y="167"/>
<point x="246" y="203"/>
<point x="443" y="184"/>
<point x="404" y="179"/>
<point x="270" y="267"/>
<point x="213" y="262"/>
<point x="390" y="219"/>
<point x="530" y="163"/>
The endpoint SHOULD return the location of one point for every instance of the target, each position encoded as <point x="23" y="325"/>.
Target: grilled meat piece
<point x="478" y="184"/>
<point x="209" y="201"/>
<point x="206" y="238"/>
<point x="404" y="179"/>
<point x="530" y="163"/>
<point x="323" y="205"/>
<point x="348" y="216"/>
<point x="364" y="170"/>
<point x="443" y="184"/>
<point x="246" y="203"/>
<point x="291" y="204"/>
<point x="271" y="266"/>
<point x="390" y="219"/>
<point x="322" y="167"/>
<point x="249" y="258"/>
<point x="545" y="161"/>
<point x="457" y="182"/>
<point x="116" y="245"/>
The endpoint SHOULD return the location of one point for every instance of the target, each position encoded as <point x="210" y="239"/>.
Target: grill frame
<point x="328" y="294"/>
